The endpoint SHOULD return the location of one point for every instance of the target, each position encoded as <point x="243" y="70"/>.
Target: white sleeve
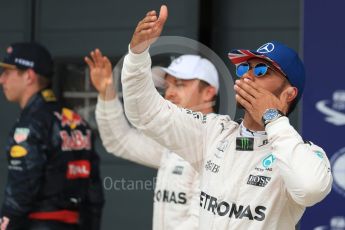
<point x="179" y="130"/>
<point x="122" y="140"/>
<point x="304" y="167"/>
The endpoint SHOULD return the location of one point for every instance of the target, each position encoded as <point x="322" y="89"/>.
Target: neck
<point x="251" y="124"/>
<point x="204" y="108"/>
<point x="26" y="96"/>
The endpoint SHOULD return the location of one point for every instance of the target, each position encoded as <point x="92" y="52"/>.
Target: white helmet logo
<point x="266" y="48"/>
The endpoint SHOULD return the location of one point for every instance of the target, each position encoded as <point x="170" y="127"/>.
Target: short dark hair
<point x="43" y="81"/>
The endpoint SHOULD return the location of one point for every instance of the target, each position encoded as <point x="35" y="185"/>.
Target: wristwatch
<point x="271" y="115"/>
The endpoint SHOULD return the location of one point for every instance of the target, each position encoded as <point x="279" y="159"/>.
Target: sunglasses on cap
<point x="260" y="69"/>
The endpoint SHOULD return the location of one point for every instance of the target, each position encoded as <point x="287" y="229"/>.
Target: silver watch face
<point x="270" y="115"/>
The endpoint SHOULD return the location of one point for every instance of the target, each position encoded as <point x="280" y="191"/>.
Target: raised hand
<point x="148" y="30"/>
<point x="256" y="99"/>
<point x="101" y="74"/>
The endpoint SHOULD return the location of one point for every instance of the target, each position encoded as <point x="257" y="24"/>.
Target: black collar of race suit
<point x="33" y="101"/>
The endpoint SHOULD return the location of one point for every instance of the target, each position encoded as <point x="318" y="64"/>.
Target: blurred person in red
<point x="53" y="170"/>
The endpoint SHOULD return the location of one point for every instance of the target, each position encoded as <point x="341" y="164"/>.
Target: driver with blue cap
<point x="258" y="174"/>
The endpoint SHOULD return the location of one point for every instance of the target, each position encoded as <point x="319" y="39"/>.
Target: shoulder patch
<point x="18" y="151"/>
<point x="48" y="95"/>
<point x="21" y="134"/>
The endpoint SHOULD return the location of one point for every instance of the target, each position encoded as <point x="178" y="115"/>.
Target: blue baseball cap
<point x="282" y="57"/>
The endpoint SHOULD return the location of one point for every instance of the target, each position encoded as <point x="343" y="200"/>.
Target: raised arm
<point x="116" y="134"/>
<point x="180" y="130"/>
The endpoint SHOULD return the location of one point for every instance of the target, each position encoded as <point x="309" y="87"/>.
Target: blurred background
<point x="71" y="29"/>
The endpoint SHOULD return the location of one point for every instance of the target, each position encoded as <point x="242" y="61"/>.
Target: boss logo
<point x="260" y="181"/>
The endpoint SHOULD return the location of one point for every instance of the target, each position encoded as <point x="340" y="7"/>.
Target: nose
<point x="249" y="75"/>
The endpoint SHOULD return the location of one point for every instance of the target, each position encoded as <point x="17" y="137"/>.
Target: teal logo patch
<point x="268" y="161"/>
<point x="319" y="154"/>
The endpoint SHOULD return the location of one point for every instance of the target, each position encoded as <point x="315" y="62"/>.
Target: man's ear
<point x="31" y="76"/>
<point x="209" y="93"/>
<point x="290" y="93"/>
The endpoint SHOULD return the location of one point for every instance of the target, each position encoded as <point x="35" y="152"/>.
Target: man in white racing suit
<point x="259" y="174"/>
<point x="193" y="85"/>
